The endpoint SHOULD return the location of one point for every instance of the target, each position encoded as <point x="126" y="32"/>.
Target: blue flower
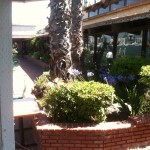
<point x="121" y="78"/>
<point x="131" y="77"/>
<point x="102" y="76"/>
<point x="112" y="80"/>
<point x="75" y="72"/>
<point x="103" y="69"/>
<point x="109" y="79"/>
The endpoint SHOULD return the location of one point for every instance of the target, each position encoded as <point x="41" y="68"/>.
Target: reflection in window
<point x="93" y="13"/>
<point x="129" y="44"/>
<point x="103" y="10"/>
<point x="117" y="5"/>
<point x="132" y="1"/>
<point x="104" y="44"/>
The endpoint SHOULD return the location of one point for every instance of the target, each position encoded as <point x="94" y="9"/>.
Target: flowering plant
<point x="106" y="77"/>
<point x="76" y="74"/>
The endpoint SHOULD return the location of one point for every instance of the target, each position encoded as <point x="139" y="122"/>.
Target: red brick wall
<point x="104" y="136"/>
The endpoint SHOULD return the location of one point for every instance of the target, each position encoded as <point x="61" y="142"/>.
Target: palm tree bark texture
<point x="60" y="44"/>
<point x="76" y="33"/>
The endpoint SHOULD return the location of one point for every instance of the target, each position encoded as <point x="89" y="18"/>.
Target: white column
<point x="6" y="102"/>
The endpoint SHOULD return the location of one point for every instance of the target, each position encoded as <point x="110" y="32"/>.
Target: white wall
<point x="6" y="102"/>
<point x="23" y="30"/>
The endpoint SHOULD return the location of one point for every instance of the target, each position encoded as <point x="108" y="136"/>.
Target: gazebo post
<point x="144" y="42"/>
<point x="115" y="38"/>
<point x="6" y="101"/>
<point x="95" y="47"/>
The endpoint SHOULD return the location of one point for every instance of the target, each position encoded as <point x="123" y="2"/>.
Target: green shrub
<point x="145" y="75"/>
<point x="145" y="108"/>
<point x="88" y="59"/>
<point x="40" y="85"/>
<point x="128" y="65"/>
<point x="133" y="98"/>
<point x="145" y="81"/>
<point x="36" y="55"/>
<point x="78" y="102"/>
<point x="131" y="91"/>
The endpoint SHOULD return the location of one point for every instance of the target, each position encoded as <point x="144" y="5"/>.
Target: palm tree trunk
<point x="76" y="33"/>
<point x="60" y="45"/>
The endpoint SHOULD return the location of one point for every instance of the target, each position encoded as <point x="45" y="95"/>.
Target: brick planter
<point x="44" y="66"/>
<point x="104" y="136"/>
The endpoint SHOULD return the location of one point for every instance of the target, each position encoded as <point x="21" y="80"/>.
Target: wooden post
<point x="95" y="48"/>
<point x="144" y="42"/>
<point x="115" y="38"/>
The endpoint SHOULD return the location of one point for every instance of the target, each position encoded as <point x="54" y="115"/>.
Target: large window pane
<point x="103" y="10"/>
<point x="93" y="13"/>
<point x="117" y="5"/>
<point x="104" y="45"/>
<point x="132" y="1"/>
<point x="129" y="44"/>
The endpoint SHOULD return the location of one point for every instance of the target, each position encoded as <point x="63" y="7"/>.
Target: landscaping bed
<point x="132" y="133"/>
<point x="112" y="113"/>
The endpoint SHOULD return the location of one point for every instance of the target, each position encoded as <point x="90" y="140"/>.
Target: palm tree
<point x="60" y="44"/>
<point x="76" y="33"/>
<point x="66" y="44"/>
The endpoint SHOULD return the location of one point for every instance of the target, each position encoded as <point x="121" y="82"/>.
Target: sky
<point x="31" y="13"/>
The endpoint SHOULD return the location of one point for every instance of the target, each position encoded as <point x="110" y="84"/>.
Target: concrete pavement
<point x="24" y="75"/>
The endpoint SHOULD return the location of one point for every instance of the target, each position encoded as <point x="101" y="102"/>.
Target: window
<point x="118" y="5"/>
<point x="129" y="44"/>
<point x="103" y="10"/>
<point x="132" y="1"/>
<point x="93" y="13"/>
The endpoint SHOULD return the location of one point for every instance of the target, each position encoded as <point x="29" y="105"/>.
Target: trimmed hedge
<point x="77" y="101"/>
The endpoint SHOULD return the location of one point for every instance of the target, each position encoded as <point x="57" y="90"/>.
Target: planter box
<point x="104" y="136"/>
<point x="44" y="66"/>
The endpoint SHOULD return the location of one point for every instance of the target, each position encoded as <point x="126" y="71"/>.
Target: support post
<point x="7" y="141"/>
<point x="144" y="42"/>
<point x="95" y="48"/>
<point x="115" y="45"/>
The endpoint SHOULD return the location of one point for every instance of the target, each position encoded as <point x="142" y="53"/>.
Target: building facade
<point x="123" y="26"/>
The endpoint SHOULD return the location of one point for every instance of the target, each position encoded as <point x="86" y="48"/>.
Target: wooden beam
<point x="131" y="27"/>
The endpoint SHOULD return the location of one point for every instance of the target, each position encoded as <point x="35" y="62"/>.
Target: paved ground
<point x="24" y="73"/>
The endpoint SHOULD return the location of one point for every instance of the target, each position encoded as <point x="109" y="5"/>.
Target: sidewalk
<point x="24" y="75"/>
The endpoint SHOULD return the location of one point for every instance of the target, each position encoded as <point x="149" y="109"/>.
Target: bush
<point x="36" y="55"/>
<point x="145" y="75"/>
<point x="145" y="108"/>
<point x="125" y="75"/>
<point x="78" y="102"/>
<point x="145" y="80"/>
<point x="40" y="85"/>
<point x="128" y="65"/>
